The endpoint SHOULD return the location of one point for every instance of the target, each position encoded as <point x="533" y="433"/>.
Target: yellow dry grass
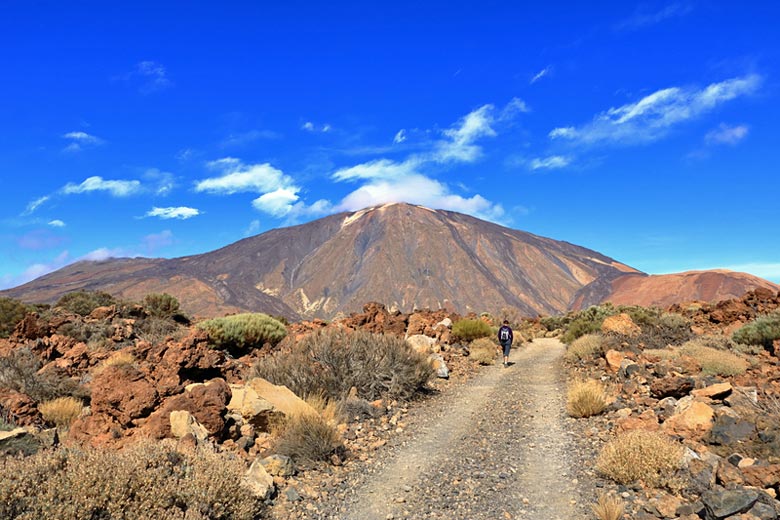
<point x="609" y="507"/>
<point x="585" y="347"/>
<point x="61" y="411"/>
<point x="117" y="359"/>
<point x="483" y="351"/>
<point x="715" y="361"/>
<point x="586" y="398"/>
<point x="642" y="456"/>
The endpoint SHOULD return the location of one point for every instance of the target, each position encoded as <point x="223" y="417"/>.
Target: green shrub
<point x="241" y="333"/>
<point x="307" y="438"/>
<point x="19" y="371"/>
<point x="94" y="334"/>
<point x="668" y="329"/>
<point x="84" y="302"/>
<point x="156" y="329"/>
<point x="330" y="362"/>
<point x="587" y="321"/>
<point x="144" y="482"/>
<point x="161" y="305"/>
<point x="11" y="312"/>
<point x="763" y="331"/>
<point x="469" y="330"/>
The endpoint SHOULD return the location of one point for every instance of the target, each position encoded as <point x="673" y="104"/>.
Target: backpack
<point x="504" y="334"/>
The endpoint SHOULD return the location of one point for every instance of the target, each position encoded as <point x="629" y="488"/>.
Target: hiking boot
<point x="506" y="364"/>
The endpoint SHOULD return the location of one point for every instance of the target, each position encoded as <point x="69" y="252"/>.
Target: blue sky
<point x="645" y="131"/>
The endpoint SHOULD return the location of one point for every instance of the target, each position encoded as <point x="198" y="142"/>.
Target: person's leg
<point x="506" y="346"/>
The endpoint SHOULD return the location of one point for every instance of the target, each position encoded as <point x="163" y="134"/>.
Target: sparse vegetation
<point x="469" y="330"/>
<point x="61" y="411"/>
<point x="95" y="335"/>
<point x="147" y="481"/>
<point x="650" y="458"/>
<point x="714" y="361"/>
<point x="609" y="507"/>
<point x="587" y="321"/>
<point x="483" y="351"/>
<point x="586" y="398"/>
<point x="241" y="333"/>
<point x="589" y="346"/>
<point x="11" y="312"/>
<point x="331" y="362"/>
<point x="763" y="331"/>
<point x="19" y="371"/>
<point x="155" y="329"/>
<point x="307" y="438"/>
<point x="84" y="302"/>
<point x="121" y="358"/>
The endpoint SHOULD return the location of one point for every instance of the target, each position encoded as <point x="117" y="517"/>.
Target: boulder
<point x="728" y="430"/>
<point x="621" y="324"/>
<point x="422" y="344"/>
<point x="716" y="391"/>
<point x="722" y="503"/>
<point x="183" y="424"/>
<point x="438" y="364"/>
<point x="122" y="392"/>
<point x="259" y="481"/>
<point x="614" y="359"/>
<point x="20" y="406"/>
<point x="96" y="430"/>
<point x="16" y="441"/>
<point x="671" y="386"/>
<point x="206" y="403"/>
<point x="628" y="368"/>
<point x="279" y="465"/>
<point x="694" y="422"/>
<point x="259" y="401"/>
<point x="762" y="476"/>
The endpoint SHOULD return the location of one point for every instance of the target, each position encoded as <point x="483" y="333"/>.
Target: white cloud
<point x="181" y="212"/>
<point x="308" y="125"/>
<point x="459" y="145"/>
<point x="512" y="109"/>
<point x="312" y="127"/>
<point x="539" y="75"/>
<point x="253" y="228"/>
<point x="725" y="134"/>
<point x="80" y="140"/>
<point x="118" y="188"/>
<point x="400" y="137"/>
<point x="165" y="181"/>
<point x="379" y="169"/>
<point x="240" y="178"/>
<point x="154" y="76"/>
<point x="550" y="163"/>
<point x="326" y="128"/>
<point x="277" y="203"/>
<point x="653" y="116"/>
<point x="56" y="223"/>
<point x="35" y="271"/>
<point x="34" y="205"/>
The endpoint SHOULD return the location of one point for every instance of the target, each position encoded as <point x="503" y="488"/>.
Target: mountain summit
<point x="402" y="255"/>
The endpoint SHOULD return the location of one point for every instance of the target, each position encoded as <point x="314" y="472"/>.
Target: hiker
<point x="505" y="337"/>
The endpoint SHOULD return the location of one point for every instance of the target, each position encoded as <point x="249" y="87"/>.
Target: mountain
<point x="402" y="255"/>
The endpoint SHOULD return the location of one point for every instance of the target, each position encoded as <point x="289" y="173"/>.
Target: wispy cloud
<point x="644" y="18"/>
<point x="38" y="240"/>
<point x="653" y="116"/>
<point x="725" y="134"/>
<point x="57" y="223"/>
<point x="181" y="212"/>
<point x="245" y="138"/>
<point x="153" y="76"/>
<point x="549" y="163"/>
<point x="309" y="126"/>
<point x="34" y="271"/>
<point x="34" y="205"/>
<point x="78" y="141"/>
<point x="400" y="137"/>
<point x="253" y="228"/>
<point x="163" y="182"/>
<point x="539" y="75"/>
<point x="117" y="188"/>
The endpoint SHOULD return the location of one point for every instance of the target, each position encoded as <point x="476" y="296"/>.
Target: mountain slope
<point x="401" y="255"/>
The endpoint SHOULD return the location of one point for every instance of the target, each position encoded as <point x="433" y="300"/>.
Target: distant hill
<point x="402" y="255"/>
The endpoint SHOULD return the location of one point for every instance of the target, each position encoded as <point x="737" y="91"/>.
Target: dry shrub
<point x="121" y="358"/>
<point x="19" y="371"/>
<point x="328" y="409"/>
<point x="61" y="412"/>
<point x="145" y="482"/>
<point x="714" y="361"/>
<point x="642" y="456"/>
<point x="355" y="408"/>
<point x="588" y="346"/>
<point x="156" y="329"/>
<point x="586" y="398"/>
<point x="609" y="507"/>
<point x="483" y="351"/>
<point x="307" y="438"/>
<point x="331" y="362"/>
<point x="662" y="353"/>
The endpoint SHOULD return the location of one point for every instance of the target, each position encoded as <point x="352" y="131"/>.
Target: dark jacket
<point x="511" y="336"/>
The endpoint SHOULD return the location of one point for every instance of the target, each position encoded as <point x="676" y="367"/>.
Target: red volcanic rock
<point x="96" y="430"/>
<point x="31" y="327"/>
<point x="122" y="392"/>
<point x="206" y="402"/>
<point x="22" y="407"/>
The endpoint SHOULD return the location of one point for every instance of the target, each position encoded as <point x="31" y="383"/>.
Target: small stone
<point x="292" y="494"/>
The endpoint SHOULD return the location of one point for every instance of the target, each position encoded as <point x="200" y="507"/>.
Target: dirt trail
<point x="499" y="447"/>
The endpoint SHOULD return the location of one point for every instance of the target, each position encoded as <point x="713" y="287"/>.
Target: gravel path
<point x="499" y="447"/>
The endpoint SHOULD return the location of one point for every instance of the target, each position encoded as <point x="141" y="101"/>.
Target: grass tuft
<point x="61" y="411"/>
<point x="588" y="346"/>
<point x="609" y="507"/>
<point x="586" y="398"/>
<point x="483" y="351"/>
<point x="650" y="458"/>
